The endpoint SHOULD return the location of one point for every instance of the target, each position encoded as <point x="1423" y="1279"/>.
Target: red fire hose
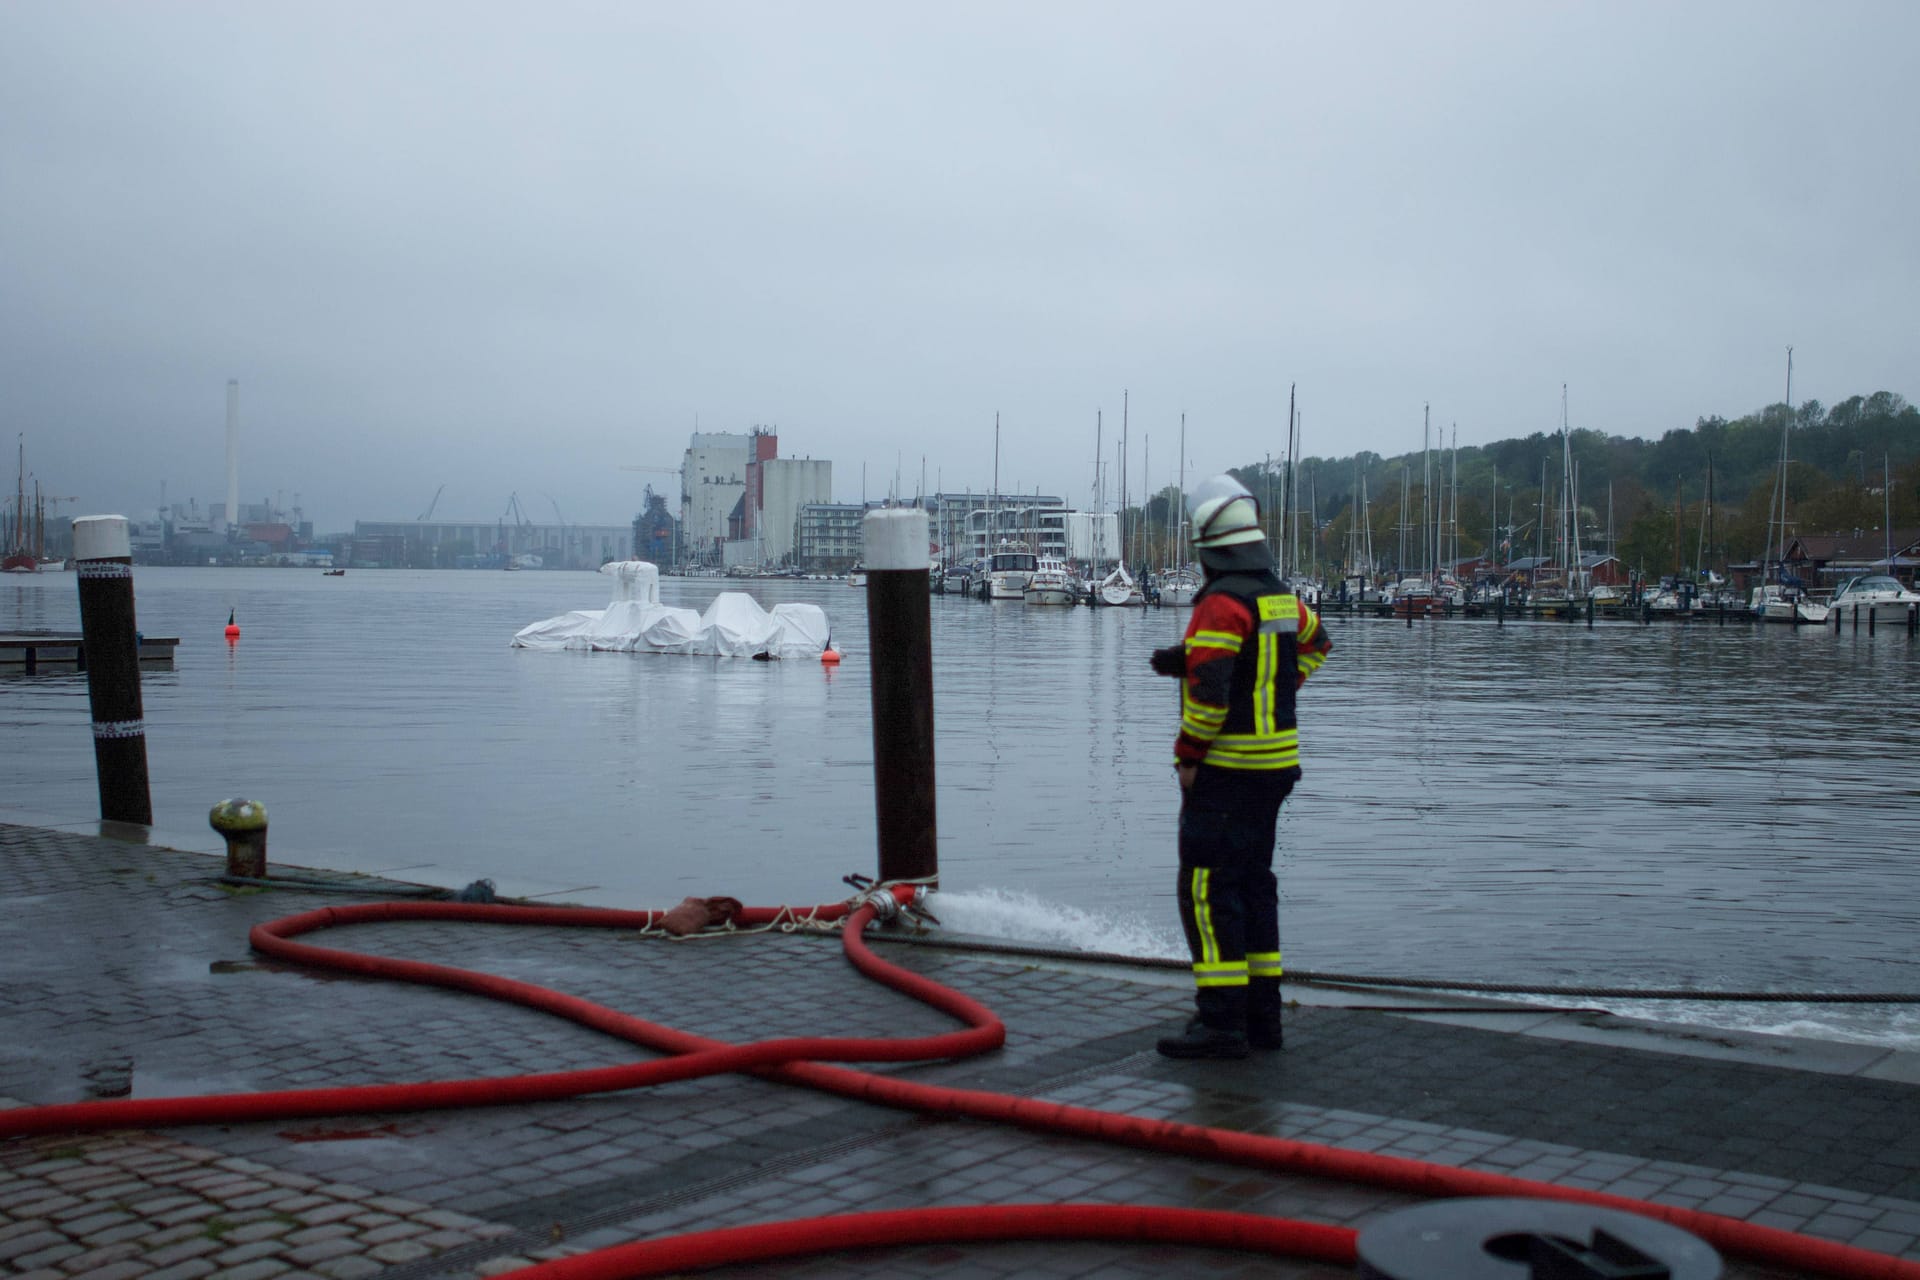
<point x="801" y="1060"/>
<point x="803" y="1236"/>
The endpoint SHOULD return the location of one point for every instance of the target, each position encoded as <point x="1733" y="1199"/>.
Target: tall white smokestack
<point x="233" y="454"/>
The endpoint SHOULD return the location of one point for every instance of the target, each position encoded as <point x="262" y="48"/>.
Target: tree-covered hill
<point x="1650" y="494"/>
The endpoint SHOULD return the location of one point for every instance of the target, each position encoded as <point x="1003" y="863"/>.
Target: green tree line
<point x="1847" y="466"/>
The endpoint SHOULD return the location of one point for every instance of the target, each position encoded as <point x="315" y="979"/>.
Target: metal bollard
<point x="1913" y="618"/>
<point x="1484" y="1239"/>
<point x="243" y="824"/>
<point x="1856" y="619"/>
<point x="103" y="558"/>
<point x="900" y="645"/>
<point x="1871" y="613"/>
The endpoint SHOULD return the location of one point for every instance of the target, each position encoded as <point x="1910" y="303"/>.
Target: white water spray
<point x="1021" y="917"/>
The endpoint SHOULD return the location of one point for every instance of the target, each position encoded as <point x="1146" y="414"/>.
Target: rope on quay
<point x="1312" y="977"/>
<point x="805" y="1061"/>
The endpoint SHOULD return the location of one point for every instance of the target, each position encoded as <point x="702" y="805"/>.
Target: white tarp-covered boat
<point x="734" y="625"/>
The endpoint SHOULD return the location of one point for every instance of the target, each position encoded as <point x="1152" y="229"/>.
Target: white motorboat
<point x="1008" y="569"/>
<point x="1050" y="583"/>
<point x="1875" y="597"/>
<point x="1786" y="602"/>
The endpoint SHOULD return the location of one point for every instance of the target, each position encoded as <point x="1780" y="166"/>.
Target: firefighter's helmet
<point x="1223" y="513"/>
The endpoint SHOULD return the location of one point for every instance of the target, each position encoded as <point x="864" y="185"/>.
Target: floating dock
<point x="31" y="651"/>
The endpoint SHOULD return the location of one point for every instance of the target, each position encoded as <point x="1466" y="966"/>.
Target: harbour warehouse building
<point x="741" y="506"/>
<point x="820" y="537"/>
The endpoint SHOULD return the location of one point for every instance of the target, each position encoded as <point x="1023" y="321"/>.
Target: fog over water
<point x="504" y="248"/>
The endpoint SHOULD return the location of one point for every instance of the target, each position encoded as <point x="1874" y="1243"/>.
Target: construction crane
<point x="428" y="513"/>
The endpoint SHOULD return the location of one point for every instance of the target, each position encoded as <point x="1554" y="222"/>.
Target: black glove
<point x="1171" y="661"/>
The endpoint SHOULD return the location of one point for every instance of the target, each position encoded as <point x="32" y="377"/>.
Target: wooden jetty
<point x="32" y="651"/>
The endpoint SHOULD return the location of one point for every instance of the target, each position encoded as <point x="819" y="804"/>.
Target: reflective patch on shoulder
<point x="1279" y="613"/>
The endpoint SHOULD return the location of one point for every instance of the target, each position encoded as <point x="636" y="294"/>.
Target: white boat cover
<point x="734" y="625"/>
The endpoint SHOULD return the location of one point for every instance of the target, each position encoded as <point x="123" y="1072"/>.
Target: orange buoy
<point x="829" y="656"/>
<point x="233" y="628"/>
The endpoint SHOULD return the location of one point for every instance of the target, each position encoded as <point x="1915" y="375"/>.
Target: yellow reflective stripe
<point x="1203" y="918"/>
<point x="1199" y="719"/>
<point x="1265" y="665"/>
<point x="1224" y="976"/>
<point x="1264" y="964"/>
<point x="1255" y="751"/>
<point x="1310" y="662"/>
<point x="1272" y="764"/>
<point x="1195" y="708"/>
<point x="1214" y="640"/>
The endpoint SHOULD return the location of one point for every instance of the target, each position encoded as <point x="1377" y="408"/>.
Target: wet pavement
<point x="128" y="973"/>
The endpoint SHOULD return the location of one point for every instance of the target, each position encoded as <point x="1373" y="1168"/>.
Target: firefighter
<point x="1249" y="644"/>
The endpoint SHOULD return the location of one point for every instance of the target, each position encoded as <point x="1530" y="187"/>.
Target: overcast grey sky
<point x="512" y="247"/>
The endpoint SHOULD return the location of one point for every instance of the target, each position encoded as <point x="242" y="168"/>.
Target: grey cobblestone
<point x="307" y="1255"/>
<point x="262" y="1269"/>
<point x="351" y="1268"/>
<point x="181" y="1250"/>
<point x="194" y="1269"/>
<point x="1836" y="1156"/>
<point x="236" y="1255"/>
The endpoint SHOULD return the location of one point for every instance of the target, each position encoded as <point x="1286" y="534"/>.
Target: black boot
<point x="1203" y="1041"/>
<point x="1263" y="1013"/>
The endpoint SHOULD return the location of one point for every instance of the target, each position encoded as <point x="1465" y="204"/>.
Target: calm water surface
<point x="1666" y="805"/>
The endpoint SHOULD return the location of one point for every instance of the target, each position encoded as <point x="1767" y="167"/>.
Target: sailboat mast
<point x="1286" y="482"/>
<point x="1453" y="515"/>
<point x="1099" y="492"/>
<point x="1293" y="499"/>
<point x="1426" y="490"/>
<point x="1678" y="507"/>
<point x="1313" y="528"/>
<point x="1781" y="486"/>
<point x="1124" y="544"/>
<point x="1406" y="482"/>
<point x="1177" y="559"/>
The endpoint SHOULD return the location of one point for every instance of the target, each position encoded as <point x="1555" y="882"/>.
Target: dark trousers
<point x="1229" y="896"/>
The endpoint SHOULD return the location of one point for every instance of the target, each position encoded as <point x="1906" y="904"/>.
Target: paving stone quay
<point x="127" y="973"/>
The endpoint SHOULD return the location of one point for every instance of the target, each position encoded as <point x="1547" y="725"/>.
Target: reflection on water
<point x="1721" y="806"/>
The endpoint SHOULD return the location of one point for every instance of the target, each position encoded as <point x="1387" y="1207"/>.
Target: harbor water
<point x="1727" y="807"/>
